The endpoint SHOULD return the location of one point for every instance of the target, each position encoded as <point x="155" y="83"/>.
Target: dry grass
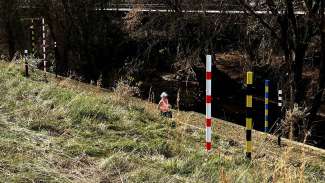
<point x="125" y="89"/>
<point x="66" y="131"/>
<point x="133" y="19"/>
<point x="294" y="124"/>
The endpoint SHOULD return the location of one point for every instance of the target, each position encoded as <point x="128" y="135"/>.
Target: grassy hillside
<point x="65" y="131"/>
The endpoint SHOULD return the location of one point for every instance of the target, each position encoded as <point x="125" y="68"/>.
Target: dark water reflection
<point x="228" y="100"/>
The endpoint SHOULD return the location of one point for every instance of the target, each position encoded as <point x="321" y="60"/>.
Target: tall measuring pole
<point x="266" y="113"/>
<point x="44" y="46"/>
<point x="280" y="98"/>
<point x="26" y="63"/>
<point x="281" y="115"/>
<point x="55" y="57"/>
<point x="208" y="143"/>
<point x="249" y="114"/>
<point x="33" y="40"/>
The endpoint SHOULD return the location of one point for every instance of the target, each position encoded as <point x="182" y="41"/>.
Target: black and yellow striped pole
<point x="249" y="114"/>
<point x="32" y="29"/>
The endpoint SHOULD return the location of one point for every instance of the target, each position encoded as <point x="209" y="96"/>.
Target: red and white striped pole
<point x="208" y="133"/>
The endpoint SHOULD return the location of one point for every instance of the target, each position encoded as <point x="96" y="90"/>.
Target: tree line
<point x="94" y="43"/>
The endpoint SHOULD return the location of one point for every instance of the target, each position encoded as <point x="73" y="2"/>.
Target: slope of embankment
<point x="66" y="131"/>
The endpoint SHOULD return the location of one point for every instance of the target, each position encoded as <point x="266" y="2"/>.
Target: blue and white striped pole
<point x="266" y="113"/>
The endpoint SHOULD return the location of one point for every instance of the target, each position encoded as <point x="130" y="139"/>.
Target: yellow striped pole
<point x="249" y="114"/>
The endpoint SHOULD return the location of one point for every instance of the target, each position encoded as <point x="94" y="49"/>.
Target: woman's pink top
<point x="164" y="105"/>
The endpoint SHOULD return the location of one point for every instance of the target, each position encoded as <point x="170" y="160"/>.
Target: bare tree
<point x="321" y="80"/>
<point x="294" y="32"/>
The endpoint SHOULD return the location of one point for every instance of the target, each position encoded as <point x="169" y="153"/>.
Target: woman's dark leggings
<point x="167" y="114"/>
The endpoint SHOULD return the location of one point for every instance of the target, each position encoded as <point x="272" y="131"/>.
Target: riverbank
<point x="66" y="131"/>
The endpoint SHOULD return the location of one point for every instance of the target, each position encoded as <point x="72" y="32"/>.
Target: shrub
<point x="125" y="88"/>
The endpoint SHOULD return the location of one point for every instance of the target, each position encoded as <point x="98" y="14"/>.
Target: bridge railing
<point x="146" y="6"/>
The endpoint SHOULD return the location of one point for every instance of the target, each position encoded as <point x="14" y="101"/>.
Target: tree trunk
<point x="297" y="68"/>
<point x="11" y="40"/>
<point x="321" y="80"/>
<point x="58" y="27"/>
